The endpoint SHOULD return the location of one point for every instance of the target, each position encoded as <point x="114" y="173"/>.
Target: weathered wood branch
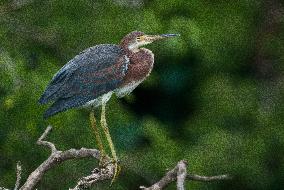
<point x="96" y="176"/>
<point x="58" y="157"/>
<point x="179" y="174"/>
<point x="40" y="141"/>
<point x="19" y="176"/>
<point x="3" y="188"/>
<point x="195" y="177"/>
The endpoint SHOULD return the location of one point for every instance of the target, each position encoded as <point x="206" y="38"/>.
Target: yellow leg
<point x="98" y="138"/>
<point x="106" y="131"/>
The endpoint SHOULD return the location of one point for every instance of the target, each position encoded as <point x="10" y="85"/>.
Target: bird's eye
<point x="138" y="38"/>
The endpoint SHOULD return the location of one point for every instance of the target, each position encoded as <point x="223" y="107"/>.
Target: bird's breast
<point x="141" y="65"/>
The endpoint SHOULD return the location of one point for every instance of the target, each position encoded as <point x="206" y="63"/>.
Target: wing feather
<point x="92" y="73"/>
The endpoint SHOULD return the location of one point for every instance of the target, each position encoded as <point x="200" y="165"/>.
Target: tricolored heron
<point x="90" y="78"/>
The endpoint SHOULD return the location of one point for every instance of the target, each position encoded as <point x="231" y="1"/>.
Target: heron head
<point x="134" y="40"/>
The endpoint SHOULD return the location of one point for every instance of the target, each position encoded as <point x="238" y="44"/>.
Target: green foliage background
<point x="215" y="97"/>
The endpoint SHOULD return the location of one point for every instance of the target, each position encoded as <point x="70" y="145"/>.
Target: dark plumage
<point x="87" y="76"/>
<point x="92" y="76"/>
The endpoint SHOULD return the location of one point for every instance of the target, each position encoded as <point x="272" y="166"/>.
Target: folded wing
<point x="92" y="73"/>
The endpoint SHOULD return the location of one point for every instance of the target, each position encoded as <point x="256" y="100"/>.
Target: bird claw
<point x="104" y="161"/>
<point x="115" y="161"/>
<point x="117" y="169"/>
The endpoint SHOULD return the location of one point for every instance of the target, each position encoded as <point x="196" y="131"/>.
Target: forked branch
<point x="58" y="157"/>
<point x="178" y="173"/>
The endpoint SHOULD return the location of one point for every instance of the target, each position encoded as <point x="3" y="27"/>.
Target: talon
<point x="117" y="170"/>
<point x="103" y="161"/>
<point x="115" y="161"/>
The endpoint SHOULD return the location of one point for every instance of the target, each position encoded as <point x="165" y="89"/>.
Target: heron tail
<point x="53" y="110"/>
<point x="63" y="104"/>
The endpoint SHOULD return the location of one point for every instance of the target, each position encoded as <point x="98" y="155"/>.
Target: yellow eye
<point x="139" y="38"/>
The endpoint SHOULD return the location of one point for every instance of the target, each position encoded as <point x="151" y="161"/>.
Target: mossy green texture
<point x="214" y="98"/>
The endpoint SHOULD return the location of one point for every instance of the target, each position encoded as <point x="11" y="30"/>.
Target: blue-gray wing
<point x="92" y="73"/>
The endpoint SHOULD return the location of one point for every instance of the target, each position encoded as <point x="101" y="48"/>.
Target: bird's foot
<point x="104" y="161"/>
<point x="117" y="169"/>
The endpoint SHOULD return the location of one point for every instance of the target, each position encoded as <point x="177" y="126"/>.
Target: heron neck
<point x="129" y="50"/>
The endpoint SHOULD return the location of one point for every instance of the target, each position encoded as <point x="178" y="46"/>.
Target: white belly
<point x="99" y="101"/>
<point x="123" y="91"/>
<point x="120" y="92"/>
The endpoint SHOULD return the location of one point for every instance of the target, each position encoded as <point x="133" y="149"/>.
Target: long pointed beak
<point x="159" y="37"/>
<point x="169" y="35"/>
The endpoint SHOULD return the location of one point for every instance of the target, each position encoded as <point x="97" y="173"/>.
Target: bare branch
<point x="3" y="188"/>
<point x="98" y="174"/>
<point x="55" y="159"/>
<point x="58" y="157"/>
<point x="166" y="180"/>
<point x="179" y="174"/>
<point x="19" y="173"/>
<point x="40" y="141"/>
<point x="194" y="177"/>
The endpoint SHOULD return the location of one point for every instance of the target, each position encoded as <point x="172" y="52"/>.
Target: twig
<point x="40" y="141"/>
<point x="96" y="176"/>
<point x="3" y="188"/>
<point x="19" y="173"/>
<point x="194" y="177"/>
<point x="179" y="174"/>
<point x="58" y="157"/>
<point x="167" y="179"/>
